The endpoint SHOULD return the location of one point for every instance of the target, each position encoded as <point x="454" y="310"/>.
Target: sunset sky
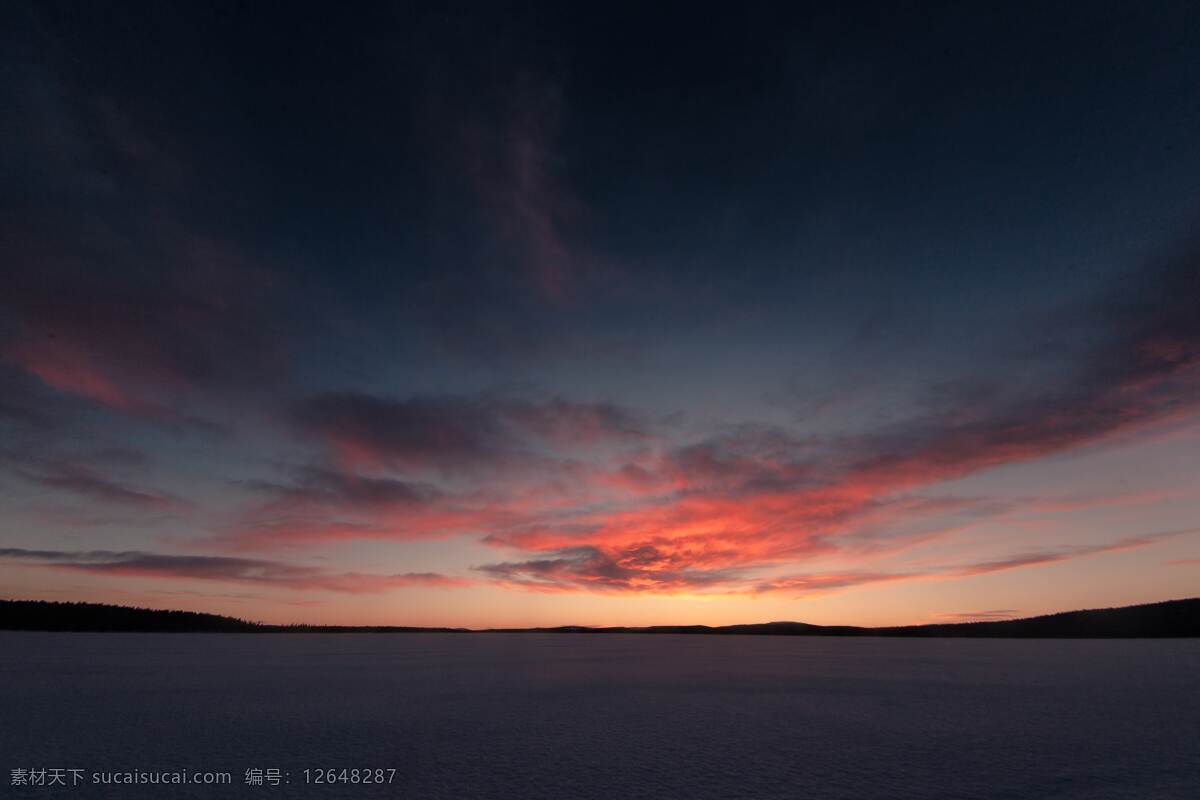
<point x="600" y="314"/>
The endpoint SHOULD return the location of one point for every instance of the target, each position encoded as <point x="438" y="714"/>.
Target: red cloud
<point x="133" y="345"/>
<point x="65" y="366"/>
<point x="594" y="569"/>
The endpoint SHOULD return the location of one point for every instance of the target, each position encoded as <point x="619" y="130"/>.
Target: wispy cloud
<point x="980" y="616"/>
<point x="85" y="482"/>
<point x="455" y="434"/>
<point x="136" y="563"/>
<point x="94" y="477"/>
<point x="321" y="504"/>
<point x="137" y="347"/>
<point x="520" y="180"/>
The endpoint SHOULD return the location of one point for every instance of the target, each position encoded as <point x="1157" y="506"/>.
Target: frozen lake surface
<point x="610" y="716"/>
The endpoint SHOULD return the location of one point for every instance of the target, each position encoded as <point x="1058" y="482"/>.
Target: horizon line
<point x="265" y="627"/>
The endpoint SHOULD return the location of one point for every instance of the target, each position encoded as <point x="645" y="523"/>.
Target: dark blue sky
<point x="626" y="304"/>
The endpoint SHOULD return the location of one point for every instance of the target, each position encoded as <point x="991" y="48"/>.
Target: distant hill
<point x="1170" y="619"/>
<point x="1173" y="618"/>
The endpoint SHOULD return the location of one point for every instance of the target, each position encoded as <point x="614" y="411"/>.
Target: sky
<point x="603" y="314"/>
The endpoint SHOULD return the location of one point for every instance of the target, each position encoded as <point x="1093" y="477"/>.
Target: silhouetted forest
<point x="38" y="615"/>
<point x="1170" y="619"/>
<point x="35" y="615"/>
